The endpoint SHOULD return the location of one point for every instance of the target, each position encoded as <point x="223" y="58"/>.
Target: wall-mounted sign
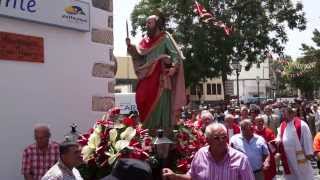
<point x="17" y="47"/>
<point x="73" y="14"/>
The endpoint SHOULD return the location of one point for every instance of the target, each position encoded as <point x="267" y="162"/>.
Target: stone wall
<point x="104" y="69"/>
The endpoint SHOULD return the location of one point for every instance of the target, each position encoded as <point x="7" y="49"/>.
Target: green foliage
<point x="258" y="29"/>
<point x="304" y="74"/>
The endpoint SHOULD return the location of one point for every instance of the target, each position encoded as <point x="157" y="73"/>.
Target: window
<point x="209" y="91"/>
<point x="109" y="5"/>
<point x="110" y="21"/>
<point x="214" y="89"/>
<point x="193" y="90"/>
<point x="200" y="89"/>
<point x="196" y="89"/>
<point x="111" y="55"/>
<point x="219" y="89"/>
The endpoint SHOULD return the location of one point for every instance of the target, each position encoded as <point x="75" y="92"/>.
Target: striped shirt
<point x="234" y="166"/>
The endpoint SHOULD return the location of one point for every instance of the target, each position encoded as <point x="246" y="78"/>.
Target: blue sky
<point x="123" y="8"/>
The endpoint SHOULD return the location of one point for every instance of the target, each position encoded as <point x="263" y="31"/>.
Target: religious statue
<point x="157" y="61"/>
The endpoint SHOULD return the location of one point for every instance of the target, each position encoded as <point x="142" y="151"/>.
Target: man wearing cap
<point x="218" y="161"/>
<point x="160" y="91"/>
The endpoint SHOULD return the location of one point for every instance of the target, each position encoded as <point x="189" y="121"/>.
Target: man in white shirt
<point x="64" y="169"/>
<point x="295" y="145"/>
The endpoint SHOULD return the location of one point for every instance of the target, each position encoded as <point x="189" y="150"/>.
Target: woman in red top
<point x="268" y="136"/>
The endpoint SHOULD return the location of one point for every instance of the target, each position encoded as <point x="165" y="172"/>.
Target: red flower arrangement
<point x="114" y="137"/>
<point x="189" y="139"/>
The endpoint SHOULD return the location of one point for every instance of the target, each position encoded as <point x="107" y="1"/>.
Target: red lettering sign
<point x="17" y="47"/>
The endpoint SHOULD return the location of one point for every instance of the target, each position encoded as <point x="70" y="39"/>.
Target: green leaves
<point x="307" y="67"/>
<point x="258" y="29"/>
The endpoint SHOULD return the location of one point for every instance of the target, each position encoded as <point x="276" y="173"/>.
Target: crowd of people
<point x="270" y="135"/>
<point x="246" y="142"/>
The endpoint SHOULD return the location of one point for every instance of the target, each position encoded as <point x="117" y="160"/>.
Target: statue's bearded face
<point x="151" y="27"/>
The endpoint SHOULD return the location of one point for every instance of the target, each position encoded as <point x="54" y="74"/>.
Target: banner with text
<point x="72" y="14"/>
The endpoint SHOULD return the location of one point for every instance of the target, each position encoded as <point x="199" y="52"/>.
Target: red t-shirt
<point x="266" y="133"/>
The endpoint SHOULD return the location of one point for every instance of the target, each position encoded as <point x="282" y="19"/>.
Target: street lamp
<point x="73" y="135"/>
<point x="161" y="148"/>
<point x="258" y="84"/>
<point x="162" y="145"/>
<point x="237" y="66"/>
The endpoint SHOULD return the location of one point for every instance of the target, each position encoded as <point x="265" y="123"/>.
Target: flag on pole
<point x="205" y="16"/>
<point x="208" y="17"/>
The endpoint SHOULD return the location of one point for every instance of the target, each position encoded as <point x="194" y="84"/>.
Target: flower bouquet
<point x="115" y="137"/>
<point x="110" y="139"/>
<point x="189" y="139"/>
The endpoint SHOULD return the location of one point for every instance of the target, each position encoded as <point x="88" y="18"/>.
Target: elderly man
<point x="253" y="146"/>
<point x="295" y="145"/>
<point x="160" y="91"/>
<point x="204" y="119"/>
<point x="216" y="161"/>
<point x="244" y="113"/>
<point x="64" y="169"/>
<point x="232" y="127"/>
<point x="37" y="158"/>
<point x="271" y="120"/>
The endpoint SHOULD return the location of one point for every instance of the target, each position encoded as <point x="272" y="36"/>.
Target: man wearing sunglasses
<point x="216" y="161"/>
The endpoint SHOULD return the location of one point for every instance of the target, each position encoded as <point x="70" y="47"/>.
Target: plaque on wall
<point x="18" y="47"/>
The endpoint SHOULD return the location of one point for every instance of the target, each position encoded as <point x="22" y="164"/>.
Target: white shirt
<point x="60" y="172"/>
<point x="291" y="145"/>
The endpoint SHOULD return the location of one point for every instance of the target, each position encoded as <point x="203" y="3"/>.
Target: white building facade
<point x="71" y="83"/>
<point x="250" y="81"/>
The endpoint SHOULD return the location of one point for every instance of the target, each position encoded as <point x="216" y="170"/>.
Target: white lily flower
<point x="121" y="144"/>
<point x="128" y="134"/>
<point x="87" y="153"/>
<point x="94" y="140"/>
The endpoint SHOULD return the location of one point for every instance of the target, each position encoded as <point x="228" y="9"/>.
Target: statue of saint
<point x="160" y="91"/>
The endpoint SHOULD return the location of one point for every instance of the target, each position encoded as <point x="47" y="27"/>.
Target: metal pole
<point x="258" y="92"/>
<point x="238" y="99"/>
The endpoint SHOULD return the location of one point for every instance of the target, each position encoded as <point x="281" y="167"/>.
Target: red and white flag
<point x="205" y="16"/>
<point x="208" y="17"/>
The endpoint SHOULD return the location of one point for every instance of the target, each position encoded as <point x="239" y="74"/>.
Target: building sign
<point x="72" y="14"/>
<point x="18" y="47"/>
